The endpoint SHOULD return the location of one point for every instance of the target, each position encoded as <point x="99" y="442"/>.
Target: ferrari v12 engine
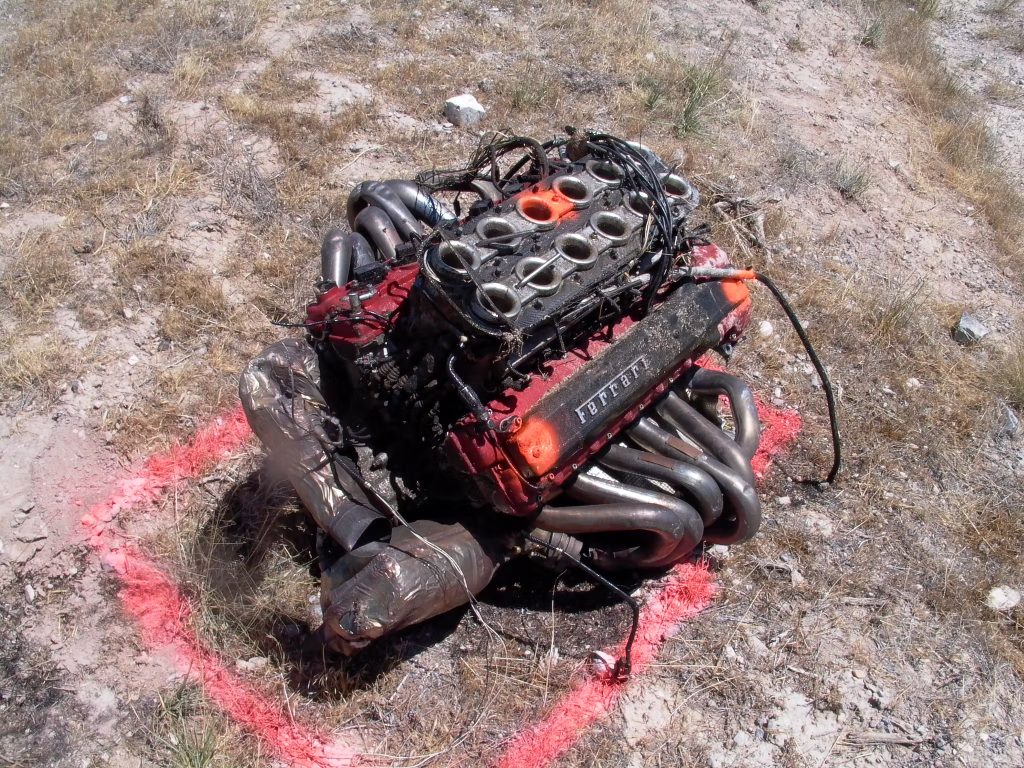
<point x="503" y="360"/>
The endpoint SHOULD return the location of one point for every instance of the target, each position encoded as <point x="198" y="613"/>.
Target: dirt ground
<point x="166" y="171"/>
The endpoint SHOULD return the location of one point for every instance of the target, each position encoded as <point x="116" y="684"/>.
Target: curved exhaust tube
<point x="688" y="420"/>
<point x="377" y="227"/>
<point x="669" y="526"/>
<point x="742" y="517"/>
<point x="335" y="257"/>
<point x="706" y="382"/>
<point x="377" y="194"/>
<point x="420" y="203"/>
<point x="695" y="483"/>
<point x="342" y="255"/>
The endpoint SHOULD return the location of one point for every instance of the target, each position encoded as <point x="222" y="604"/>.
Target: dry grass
<point x="960" y="135"/>
<point x="1001" y="8"/>
<point x="1008" y="373"/>
<point x="184" y="731"/>
<point x="1004" y="92"/>
<point x="681" y="97"/>
<point x="50" y="83"/>
<point x="852" y="179"/>
<point x="897" y="309"/>
<point x="39" y="276"/>
<point x="37" y="366"/>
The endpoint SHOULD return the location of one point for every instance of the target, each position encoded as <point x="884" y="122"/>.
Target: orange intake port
<point x="544" y="207"/>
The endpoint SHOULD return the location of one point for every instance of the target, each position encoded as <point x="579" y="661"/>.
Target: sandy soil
<point x="809" y="666"/>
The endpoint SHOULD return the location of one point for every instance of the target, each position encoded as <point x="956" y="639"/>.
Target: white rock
<point x="602" y="664"/>
<point x="1002" y="598"/>
<point x="913" y="383"/>
<point x="100" y="136"/>
<point x="719" y="551"/>
<point x="783" y="501"/>
<point x="30" y="593"/>
<point x="464" y="110"/>
<point x="255" y="664"/>
<point x="766" y="329"/>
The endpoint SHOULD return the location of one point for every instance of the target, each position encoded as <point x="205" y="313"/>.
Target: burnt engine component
<point x="502" y="361"/>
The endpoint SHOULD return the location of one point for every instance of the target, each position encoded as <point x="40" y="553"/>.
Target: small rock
<point x="255" y="664"/>
<point x="1008" y="422"/>
<point x="602" y="664"/>
<point x="783" y="501"/>
<point x="128" y="313"/>
<point x="76" y="386"/>
<point x="766" y="329"/>
<point x="860" y="674"/>
<point x="30" y="593"/>
<point x="100" y="136"/>
<point x="718" y="551"/>
<point x="125" y="99"/>
<point x="969" y="330"/>
<point x="33" y="536"/>
<point x="4" y="206"/>
<point x="464" y="110"/>
<point x="134" y="359"/>
<point x="165" y="345"/>
<point x="913" y="383"/>
<point x="1002" y="598"/>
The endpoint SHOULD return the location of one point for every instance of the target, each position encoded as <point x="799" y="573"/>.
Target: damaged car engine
<point x="505" y="360"/>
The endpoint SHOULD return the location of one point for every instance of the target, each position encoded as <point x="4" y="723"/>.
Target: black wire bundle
<point x="639" y="174"/>
<point x="485" y="166"/>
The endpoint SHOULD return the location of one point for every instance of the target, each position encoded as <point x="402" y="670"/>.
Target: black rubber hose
<point x="741" y="403"/>
<point x="684" y="417"/>
<point x="378" y="228"/>
<point x="826" y="382"/>
<point x="379" y="195"/>
<point x="743" y="508"/>
<point x="697" y="484"/>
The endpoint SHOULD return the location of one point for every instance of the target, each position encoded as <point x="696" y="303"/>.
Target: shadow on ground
<point x="256" y="555"/>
